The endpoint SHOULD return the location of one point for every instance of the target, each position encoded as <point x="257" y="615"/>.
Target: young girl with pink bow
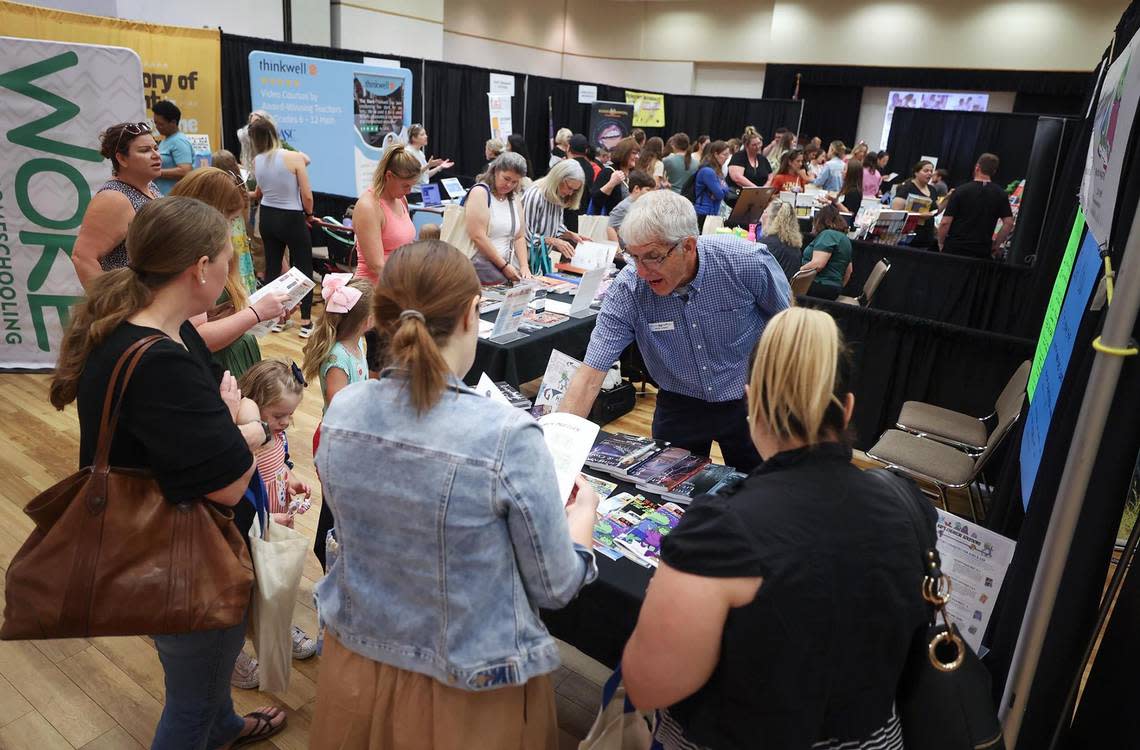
<point x="335" y="354"/>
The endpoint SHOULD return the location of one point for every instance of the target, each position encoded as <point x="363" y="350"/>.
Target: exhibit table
<point x="518" y="361"/>
<point x="599" y="621"/>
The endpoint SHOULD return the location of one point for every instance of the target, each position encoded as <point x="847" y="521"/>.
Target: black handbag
<point x="944" y="693"/>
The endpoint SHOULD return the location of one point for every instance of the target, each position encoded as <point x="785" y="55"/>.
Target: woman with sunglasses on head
<point x="135" y="162"/>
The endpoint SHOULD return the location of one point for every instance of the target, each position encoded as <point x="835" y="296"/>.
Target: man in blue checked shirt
<point x="696" y="306"/>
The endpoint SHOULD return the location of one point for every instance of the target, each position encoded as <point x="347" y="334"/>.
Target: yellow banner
<point x="179" y="64"/>
<point x="648" y="109"/>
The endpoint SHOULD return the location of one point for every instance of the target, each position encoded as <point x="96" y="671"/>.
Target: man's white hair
<point x="660" y="216"/>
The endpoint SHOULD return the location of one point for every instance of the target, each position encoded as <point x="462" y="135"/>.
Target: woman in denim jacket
<point x="452" y="536"/>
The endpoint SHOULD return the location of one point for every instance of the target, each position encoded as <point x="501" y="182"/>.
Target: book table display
<point x="645" y="486"/>
<point x="524" y="359"/>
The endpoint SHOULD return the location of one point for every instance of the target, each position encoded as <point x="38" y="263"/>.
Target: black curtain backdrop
<point x="901" y="358"/>
<point x="833" y="94"/>
<point x="1087" y="565"/>
<point x="458" y="115"/>
<point x="969" y="292"/>
<point x="1065" y="105"/>
<point x="830" y="112"/>
<point x="958" y="138"/>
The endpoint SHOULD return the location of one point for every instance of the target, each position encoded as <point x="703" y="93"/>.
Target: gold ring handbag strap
<point x="113" y="399"/>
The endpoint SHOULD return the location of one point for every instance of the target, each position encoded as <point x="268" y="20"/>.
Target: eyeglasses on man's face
<point x="652" y="261"/>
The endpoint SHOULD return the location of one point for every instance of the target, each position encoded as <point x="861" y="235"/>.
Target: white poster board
<point x="502" y="85"/>
<point x="55" y="98"/>
<point x="500" y="111"/>
<point x="1112" y="126"/>
<point x="587" y="94"/>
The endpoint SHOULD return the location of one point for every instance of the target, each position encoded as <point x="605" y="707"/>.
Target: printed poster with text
<point x="648" y="109"/>
<point x="1112" y="126"/>
<point x="179" y="64"/>
<point x="342" y="114"/>
<point x="55" y="97"/>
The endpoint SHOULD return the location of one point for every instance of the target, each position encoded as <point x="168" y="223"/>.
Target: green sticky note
<point x="1053" y="311"/>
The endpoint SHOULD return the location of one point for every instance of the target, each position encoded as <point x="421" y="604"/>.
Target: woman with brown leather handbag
<point x="147" y="539"/>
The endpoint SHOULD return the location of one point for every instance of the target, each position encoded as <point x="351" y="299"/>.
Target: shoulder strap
<point x="926" y="540"/>
<point x="483" y="185"/>
<point x="113" y="399"/>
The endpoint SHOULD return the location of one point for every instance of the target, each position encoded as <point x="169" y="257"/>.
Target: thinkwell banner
<point x="55" y="98"/>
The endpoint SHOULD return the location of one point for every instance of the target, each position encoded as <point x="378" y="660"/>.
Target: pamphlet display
<point x="975" y="559"/>
<point x="341" y="114"/>
<point x="584" y="297"/>
<point x="511" y="315"/>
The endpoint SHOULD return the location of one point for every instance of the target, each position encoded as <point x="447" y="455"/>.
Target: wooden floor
<point x="107" y="693"/>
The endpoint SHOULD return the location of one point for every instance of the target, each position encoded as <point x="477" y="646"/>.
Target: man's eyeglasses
<point x="652" y="261"/>
<point x="134" y="130"/>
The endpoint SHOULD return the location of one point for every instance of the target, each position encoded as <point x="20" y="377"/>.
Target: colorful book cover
<point x="543" y="319"/>
<point x="601" y="486"/>
<point x="606" y="529"/>
<point x="681" y="471"/>
<point x="649" y="472"/>
<point x="643" y="541"/>
<point x="710" y="480"/>
<point x="611" y="449"/>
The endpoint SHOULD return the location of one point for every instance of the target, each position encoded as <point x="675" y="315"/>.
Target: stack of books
<point x="658" y="468"/>
<point x="633" y="528"/>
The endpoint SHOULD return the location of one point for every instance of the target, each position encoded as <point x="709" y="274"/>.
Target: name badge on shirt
<point x="663" y="326"/>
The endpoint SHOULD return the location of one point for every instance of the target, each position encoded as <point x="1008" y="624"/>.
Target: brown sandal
<point x="263" y="729"/>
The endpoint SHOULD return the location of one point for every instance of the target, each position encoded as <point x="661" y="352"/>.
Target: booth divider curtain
<point x="897" y="358"/>
<point x="958" y="138"/>
<point x="969" y="292"/>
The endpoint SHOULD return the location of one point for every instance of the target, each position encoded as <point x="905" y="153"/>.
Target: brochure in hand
<point x="568" y="437"/>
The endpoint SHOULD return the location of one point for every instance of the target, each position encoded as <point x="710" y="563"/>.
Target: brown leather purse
<point x="111" y="556"/>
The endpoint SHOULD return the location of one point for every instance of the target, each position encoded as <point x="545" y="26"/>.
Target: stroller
<point x="340" y="254"/>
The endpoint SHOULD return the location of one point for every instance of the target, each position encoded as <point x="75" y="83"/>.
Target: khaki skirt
<point x="365" y="705"/>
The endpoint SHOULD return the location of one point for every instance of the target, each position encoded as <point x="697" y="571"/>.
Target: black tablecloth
<point x="971" y="292"/>
<point x="525" y="359"/>
<point x="602" y="617"/>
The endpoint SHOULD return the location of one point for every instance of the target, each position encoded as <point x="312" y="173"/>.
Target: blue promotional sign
<point x="1084" y="276"/>
<point x="341" y="114"/>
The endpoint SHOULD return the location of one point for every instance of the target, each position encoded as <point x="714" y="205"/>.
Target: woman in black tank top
<point x="101" y="245"/>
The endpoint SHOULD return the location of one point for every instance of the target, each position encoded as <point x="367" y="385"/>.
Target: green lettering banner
<point x="55" y="99"/>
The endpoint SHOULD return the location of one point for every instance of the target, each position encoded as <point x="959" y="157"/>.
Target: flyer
<point x="975" y="560"/>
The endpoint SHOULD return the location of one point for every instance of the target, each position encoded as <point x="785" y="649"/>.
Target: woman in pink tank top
<point x="381" y="218"/>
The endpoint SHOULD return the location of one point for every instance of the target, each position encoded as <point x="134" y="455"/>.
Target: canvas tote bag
<point x="278" y="558"/>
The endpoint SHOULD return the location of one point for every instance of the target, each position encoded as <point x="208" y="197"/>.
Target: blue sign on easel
<point x="1085" y="273"/>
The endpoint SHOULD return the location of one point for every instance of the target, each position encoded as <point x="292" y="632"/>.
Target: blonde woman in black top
<point x="782" y="610"/>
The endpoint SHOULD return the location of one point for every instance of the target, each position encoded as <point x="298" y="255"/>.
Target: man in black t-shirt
<point x="972" y="211"/>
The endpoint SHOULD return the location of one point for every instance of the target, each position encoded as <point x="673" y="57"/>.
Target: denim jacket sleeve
<point x="553" y="568"/>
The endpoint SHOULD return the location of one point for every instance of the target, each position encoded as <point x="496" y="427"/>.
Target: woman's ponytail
<point x="424" y="291"/>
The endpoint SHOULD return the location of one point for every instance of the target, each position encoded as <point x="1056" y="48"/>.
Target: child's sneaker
<point x="245" y="675"/>
<point x="304" y="647"/>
